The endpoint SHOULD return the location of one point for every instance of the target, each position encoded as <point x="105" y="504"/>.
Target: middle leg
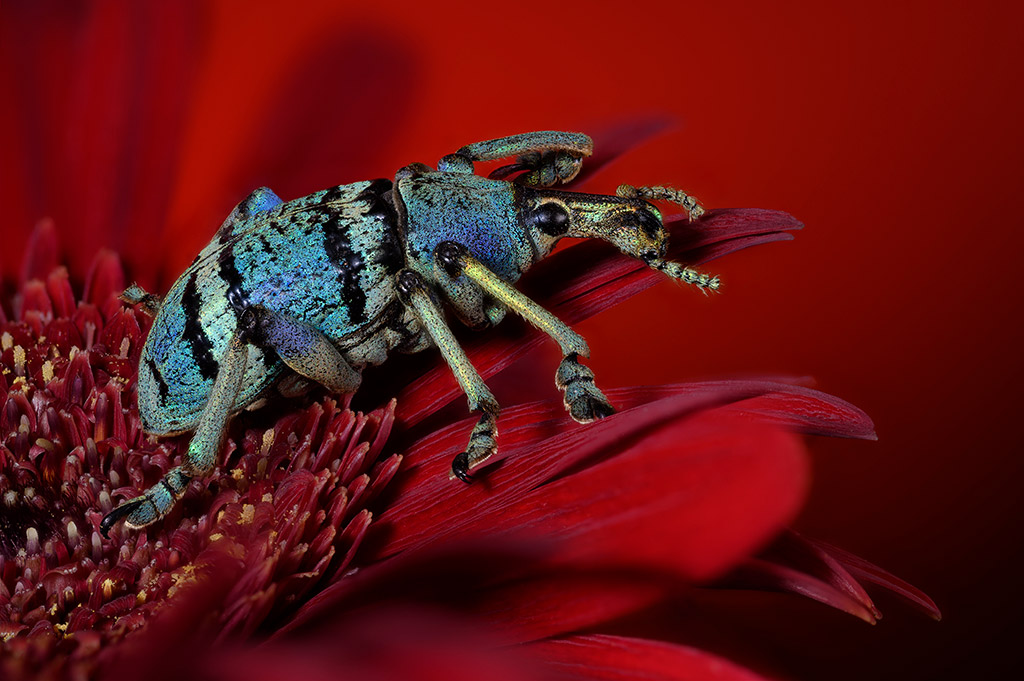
<point x="583" y="399"/>
<point x="416" y="295"/>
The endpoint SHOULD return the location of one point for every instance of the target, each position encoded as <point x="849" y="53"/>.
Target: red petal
<point x="793" y="550"/>
<point x="104" y="280"/>
<point x="382" y="642"/>
<point x="618" y="657"/>
<point x="699" y="480"/>
<point x="869" y="572"/>
<point x="59" y="289"/>
<point x="694" y="499"/>
<point x="561" y="601"/>
<point x="538" y="442"/>
<point x="41" y="254"/>
<point x="770" y="576"/>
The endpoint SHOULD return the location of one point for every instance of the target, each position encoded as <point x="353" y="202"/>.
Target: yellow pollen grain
<point x="216" y="536"/>
<point x="237" y="474"/>
<point x="268" y="440"/>
<point x="6" y="341"/>
<point x="19" y="360"/>
<point x="61" y="627"/>
<point x="267" y="498"/>
<point x="248" y="513"/>
<point x="108" y="588"/>
<point x="181" y="578"/>
<point x="140" y="598"/>
<point x="47" y="371"/>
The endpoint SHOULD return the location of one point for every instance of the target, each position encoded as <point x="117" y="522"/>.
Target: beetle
<point x="320" y="287"/>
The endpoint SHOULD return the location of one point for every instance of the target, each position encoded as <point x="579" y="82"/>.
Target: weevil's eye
<point x="550" y="218"/>
<point x="650" y="224"/>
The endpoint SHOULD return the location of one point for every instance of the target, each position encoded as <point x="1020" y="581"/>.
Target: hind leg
<point x="201" y="456"/>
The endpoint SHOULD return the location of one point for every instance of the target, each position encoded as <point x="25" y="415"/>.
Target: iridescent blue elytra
<point x="327" y="259"/>
<point x="320" y="287"/>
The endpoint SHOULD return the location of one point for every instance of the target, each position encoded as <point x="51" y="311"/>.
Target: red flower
<point x="571" y="527"/>
<point x="333" y="537"/>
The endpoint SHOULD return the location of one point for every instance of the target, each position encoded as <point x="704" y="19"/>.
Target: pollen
<point x="268" y="440"/>
<point x="47" y="371"/>
<point x="6" y="341"/>
<point x="248" y="513"/>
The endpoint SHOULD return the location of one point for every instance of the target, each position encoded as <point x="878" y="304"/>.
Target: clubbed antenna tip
<point x="704" y="282"/>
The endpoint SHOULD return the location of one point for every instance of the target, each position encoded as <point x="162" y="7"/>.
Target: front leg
<point x="582" y="397"/>
<point x="415" y="294"/>
<point x="201" y="456"/>
<point x="548" y="158"/>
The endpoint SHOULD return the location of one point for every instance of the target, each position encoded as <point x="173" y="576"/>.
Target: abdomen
<point x="326" y="259"/>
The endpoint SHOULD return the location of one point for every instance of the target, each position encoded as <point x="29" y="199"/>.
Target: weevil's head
<point x="633" y="225"/>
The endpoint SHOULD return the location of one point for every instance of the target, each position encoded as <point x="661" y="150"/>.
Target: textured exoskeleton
<point x="327" y="284"/>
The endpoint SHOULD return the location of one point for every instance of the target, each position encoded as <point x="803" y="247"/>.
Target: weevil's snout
<point x="631" y="224"/>
<point x="640" y="233"/>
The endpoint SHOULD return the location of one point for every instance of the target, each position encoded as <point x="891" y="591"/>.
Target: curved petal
<point x="771" y="576"/>
<point x="617" y="657"/>
<point x="540" y="442"/>
<point x="869" y="572"/>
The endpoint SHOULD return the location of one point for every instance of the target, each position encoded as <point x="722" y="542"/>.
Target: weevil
<point x="318" y="288"/>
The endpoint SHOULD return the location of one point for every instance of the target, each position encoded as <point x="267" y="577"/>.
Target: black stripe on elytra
<point x="194" y="335"/>
<point x="381" y="206"/>
<point x="348" y="263"/>
<point x="237" y="296"/>
<point x="161" y="384"/>
<point x="332" y="195"/>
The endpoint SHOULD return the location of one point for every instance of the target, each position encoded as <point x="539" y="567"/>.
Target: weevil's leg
<point x="260" y="200"/>
<point x="293" y="385"/>
<point x="582" y="398"/>
<point x="670" y="194"/>
<point x="549" y="157"/>
<point x="135" y="295"/>
<point x="201" y="456"/>
<point x="303" y="348"/>
<point x="415" y="294"/>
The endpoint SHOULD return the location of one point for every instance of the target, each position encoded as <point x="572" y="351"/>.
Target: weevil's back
<point x="325" y="259"/>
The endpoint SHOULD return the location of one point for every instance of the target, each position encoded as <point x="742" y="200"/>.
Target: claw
<point x="460" y="468"/>
<point x="111" y="519"/>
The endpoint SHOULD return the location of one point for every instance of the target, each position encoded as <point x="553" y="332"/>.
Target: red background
<point x="893" y="130"/>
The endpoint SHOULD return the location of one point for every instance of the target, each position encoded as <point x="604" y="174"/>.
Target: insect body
<point x="327" y="284"/>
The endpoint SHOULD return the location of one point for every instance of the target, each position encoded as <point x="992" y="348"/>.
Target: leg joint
<point x="451" y="256"/>
<point x="407" y="283"/>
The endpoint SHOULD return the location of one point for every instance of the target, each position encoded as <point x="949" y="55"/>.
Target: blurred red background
<point x="893" y="130"/>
